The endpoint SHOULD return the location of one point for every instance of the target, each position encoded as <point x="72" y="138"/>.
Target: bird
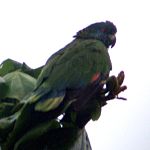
<point x="67" y="74"/>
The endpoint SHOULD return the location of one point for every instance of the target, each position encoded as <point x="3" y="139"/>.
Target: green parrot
<point x="80" y="64"/>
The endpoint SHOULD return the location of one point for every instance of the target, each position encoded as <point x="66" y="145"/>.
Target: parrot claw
<point x="114" y="87"/>
<point x="122" y="98"/>
<point x="121" y="89"/>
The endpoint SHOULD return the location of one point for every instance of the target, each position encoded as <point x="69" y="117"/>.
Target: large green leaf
<point x="32" y="72"/>
<point x="10" y="65"/>
<point x="3" y="88"/>
<point x="20" y="84"/>
<point x="37" y="132"/>
<point x="49" y="135"/>
<point x="6" y="126"/>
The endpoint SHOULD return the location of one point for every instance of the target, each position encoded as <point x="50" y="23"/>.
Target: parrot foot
<point x="114" y="87"/>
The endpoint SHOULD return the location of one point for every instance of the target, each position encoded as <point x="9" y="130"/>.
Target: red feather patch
<point x="95" y="77"/>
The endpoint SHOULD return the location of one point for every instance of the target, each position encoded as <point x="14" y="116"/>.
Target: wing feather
<point x="73" y="67"/>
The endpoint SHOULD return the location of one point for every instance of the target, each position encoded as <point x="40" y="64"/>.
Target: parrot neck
<point x="95" y="36"/>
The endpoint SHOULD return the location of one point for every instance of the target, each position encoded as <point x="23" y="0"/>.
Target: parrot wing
<point x="76" y="66"/>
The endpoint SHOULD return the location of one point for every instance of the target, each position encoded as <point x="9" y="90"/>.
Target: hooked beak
<point x="113" y="39"/>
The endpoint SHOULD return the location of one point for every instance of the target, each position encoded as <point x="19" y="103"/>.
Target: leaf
<point x="37" y="132"/>
<point x="32" y="72"/>
<point x="6" y="126"/>
<point x="3" y="88"/>
<point x="10" y="65"/>
<point x="20" y="84"/>
<point x="6" y="109"/>
<point x="96" y="111"/>
<point x="9" y="106"/>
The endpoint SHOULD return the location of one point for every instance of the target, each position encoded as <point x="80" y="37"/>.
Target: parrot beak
<point x="113" y="39"/>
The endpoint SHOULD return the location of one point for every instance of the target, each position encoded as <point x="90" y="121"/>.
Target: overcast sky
<point x="31" y="30"/>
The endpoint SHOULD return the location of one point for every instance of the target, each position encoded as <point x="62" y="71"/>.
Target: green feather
<point x="49" y="104"/>
<point x="77" y="62"/>
<point x="71" y="67"/>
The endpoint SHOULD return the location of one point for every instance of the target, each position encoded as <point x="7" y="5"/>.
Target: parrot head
<point x="103" y="31"/>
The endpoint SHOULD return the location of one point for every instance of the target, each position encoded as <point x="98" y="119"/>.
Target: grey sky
<point x="32" y="30"/>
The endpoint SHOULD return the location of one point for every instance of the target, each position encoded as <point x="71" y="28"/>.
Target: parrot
<point x="72" y="69"/>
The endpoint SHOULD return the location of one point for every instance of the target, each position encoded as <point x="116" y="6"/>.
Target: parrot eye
<point x="103" y="30"/>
